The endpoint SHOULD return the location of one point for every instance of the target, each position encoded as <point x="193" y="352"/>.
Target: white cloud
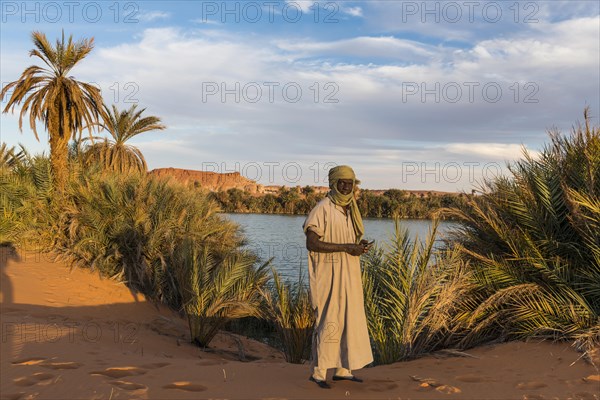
<point x="150" y="16"/>
<point x="370" y="99"/>
<point x="304" y="5"/>
<point x="353" y="11"/>
<point x="365" y="47"/>
<point x="471" y="21"/>
<point x="330" y="8"/>
<point x="493" y="151"/>
<point x="205" y="21"/>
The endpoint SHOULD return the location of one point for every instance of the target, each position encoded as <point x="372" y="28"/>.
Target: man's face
<point x="345" y="186"/>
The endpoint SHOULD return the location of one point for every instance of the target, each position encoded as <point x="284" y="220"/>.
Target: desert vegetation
<point x="392" y="203"/>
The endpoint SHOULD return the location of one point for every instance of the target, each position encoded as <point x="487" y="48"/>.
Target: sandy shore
<point x="71" y="335"/>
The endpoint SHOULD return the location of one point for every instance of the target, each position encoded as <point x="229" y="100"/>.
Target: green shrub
<point x="412" y="294"/>
<point x="128" y="226"/>
<point x="533" y="243"/>
<point x="26" y="195"/>
<point x="216" y="288"/>
<point x="290" y="309"/>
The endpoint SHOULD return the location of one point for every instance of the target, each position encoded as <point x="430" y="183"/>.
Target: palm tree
<point x="64" y="104"/>
<point x="413" y="292"/>
<point x="288" y="306"/>
<point x="114" y="154"/>
<point x="533" y="246"/>
<point x="216" y="289"/>
<point x="9" y="158"/>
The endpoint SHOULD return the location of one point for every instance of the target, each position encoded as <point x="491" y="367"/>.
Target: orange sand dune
<point x="71" y="335"/>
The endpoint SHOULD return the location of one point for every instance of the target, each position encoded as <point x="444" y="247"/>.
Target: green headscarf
<point x="345" y="172"/>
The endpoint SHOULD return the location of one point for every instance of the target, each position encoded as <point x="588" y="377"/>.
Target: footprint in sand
<point x="36" y="378"/>
<point x="60" y="365"/>
<point x="29" y="361"/>
<point x="120" y="372"/>
<point x="428" y="384"/>
<point x="586" y="396"/>
<point x="128" y="385"/>
<point x="381" y="385"/>
<point x="531" y="385"/>
<point x="448" y="389"/>
<point x="187" y="386"/>
<point x="13" y="396"/>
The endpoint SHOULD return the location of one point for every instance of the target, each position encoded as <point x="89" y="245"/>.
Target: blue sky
<point x="413" y="94"/>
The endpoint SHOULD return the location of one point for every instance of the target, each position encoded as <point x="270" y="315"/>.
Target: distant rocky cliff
<point x="216" y="182"/>
<point x="212" y="181"/>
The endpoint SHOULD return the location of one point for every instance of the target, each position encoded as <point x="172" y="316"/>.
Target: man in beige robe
<point x="333" y="237"/>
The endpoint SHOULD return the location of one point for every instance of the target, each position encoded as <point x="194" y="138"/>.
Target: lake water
<point x="281" y="237"/>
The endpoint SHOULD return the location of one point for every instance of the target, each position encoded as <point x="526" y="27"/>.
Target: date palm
<point x="216" y="289"/>
<point x="413" y="292"/>
<point x="10" y="158"/>
<point x="116" y="155"/>
<point x="49" y="94"/>
<point x="533" y="245"/>
<point x="288" y="306"/>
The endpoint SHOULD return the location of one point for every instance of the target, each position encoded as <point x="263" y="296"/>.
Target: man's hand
<point x="354" y="249"/>
<point x="359" y="249"/>
<point x="367" y="244"/>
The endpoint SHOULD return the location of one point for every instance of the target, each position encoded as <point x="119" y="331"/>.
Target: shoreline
<point x="304" y="215"/>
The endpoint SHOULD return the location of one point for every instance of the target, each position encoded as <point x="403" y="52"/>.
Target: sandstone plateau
<point x="213" y="181"/>
<point x="216" y="182"/>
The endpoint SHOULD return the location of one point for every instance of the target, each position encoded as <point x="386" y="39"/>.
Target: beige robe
<point x="340" y="338"/>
